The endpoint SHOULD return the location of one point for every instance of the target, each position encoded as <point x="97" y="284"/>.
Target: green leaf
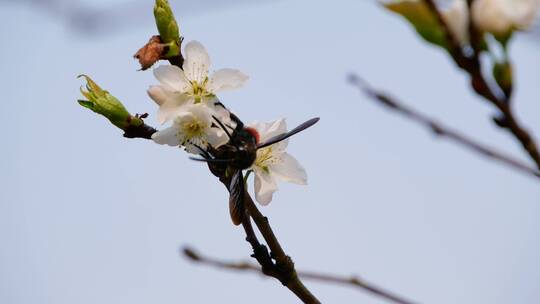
<point x="86" y="104"/>
<point x="502" y="72"/>
<point x="421" y="18"/>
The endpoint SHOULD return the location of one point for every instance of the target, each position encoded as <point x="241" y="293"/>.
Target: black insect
<point x="237" y="154"/>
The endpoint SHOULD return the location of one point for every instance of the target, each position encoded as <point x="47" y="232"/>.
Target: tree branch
<point x="324" y="278"/>
<point x="472" y="65"/>
<point x="441" y="130"/>
<point x="283" y="268"/>
<point x="284" y="265"/>
<point x="143" y="131"/>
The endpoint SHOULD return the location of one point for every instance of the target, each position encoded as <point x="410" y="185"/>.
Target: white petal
<point x="457" y="18"/>
<point x="280" y="147"/>
<point x="501" y="16"/>
<point x="265" y="186"/>
<point x="226" y="79"/>
<point x="270" y="129"/>
<point x="217" y="137"/>
<point x="201" y="113"/>
<point x="197" y="62"/>
<point x="488" y="15"/>
<point x="289" y="170"/>
<point x="167" y="136"/>
<point x="172" y="106"/>
<point x="524" y="13"/>
<point x="278" y="127"/>
<point x="158" y="94"/>
<point x="173" y="78"/>
<point x="193" y="149"/>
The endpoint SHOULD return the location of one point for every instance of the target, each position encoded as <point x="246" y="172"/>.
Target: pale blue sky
<point x="87" y="216"/>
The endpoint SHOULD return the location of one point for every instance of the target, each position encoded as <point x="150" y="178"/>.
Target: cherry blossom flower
<point x="501" y="17"/>
<point x="192" y="128"/>
<point x="192" y="84"/>
<point x="273" y="163"/>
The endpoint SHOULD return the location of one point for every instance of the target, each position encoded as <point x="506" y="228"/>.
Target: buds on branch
<point x="166" y="46"/>
<point x="464" y="29"/>
<point x="167" y="26"/>
<point x="103" y="103"/>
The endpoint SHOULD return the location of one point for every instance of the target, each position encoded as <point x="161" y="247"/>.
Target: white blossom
<point x="456" y="16"/>
<point x="192" y="84"/>
<point x="500" y="17"/>
<point x="192" y="129"/>
<point x="273" y="163"/>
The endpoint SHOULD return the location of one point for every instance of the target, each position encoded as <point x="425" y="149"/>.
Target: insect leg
<point x="222" y="126"/>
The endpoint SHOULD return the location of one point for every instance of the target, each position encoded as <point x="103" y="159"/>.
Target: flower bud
<point x="103" y="103"/>
<point x="167" y="27"/>
<point x="502" y="17"/>
<point x="456" y="16"/>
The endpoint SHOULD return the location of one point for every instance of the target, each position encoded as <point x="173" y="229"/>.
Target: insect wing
<point x="210" y="160"/>
<point x="236" y="198"/>
<point x="284" y="136"/>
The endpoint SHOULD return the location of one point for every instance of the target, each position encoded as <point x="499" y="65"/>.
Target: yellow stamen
<point x="264" y="158"/>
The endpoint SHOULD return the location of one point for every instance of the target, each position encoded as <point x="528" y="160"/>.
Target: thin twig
<point x="283" y="268"/>
<point x="439" y="129"/>
<point x="472" y="65"/>
<point x="325" y="278"/>
<point x="142" y="131"/>
<point x="284" y="264"/>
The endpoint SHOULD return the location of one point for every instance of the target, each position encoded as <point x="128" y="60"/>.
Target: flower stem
<point x="472" y="65"/>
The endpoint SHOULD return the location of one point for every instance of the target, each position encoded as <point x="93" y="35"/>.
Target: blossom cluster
<point x="187" y="99"/>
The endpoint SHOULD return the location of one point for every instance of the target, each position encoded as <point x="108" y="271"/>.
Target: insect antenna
<point x="203" y="152"/>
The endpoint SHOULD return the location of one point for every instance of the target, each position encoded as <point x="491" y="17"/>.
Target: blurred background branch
<point x="439" y="129"/>
<point x="88" y="18"/>
<point x="471" y="64"/>
<point x="93" y="18"/>
<point x="352" y="281"/>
